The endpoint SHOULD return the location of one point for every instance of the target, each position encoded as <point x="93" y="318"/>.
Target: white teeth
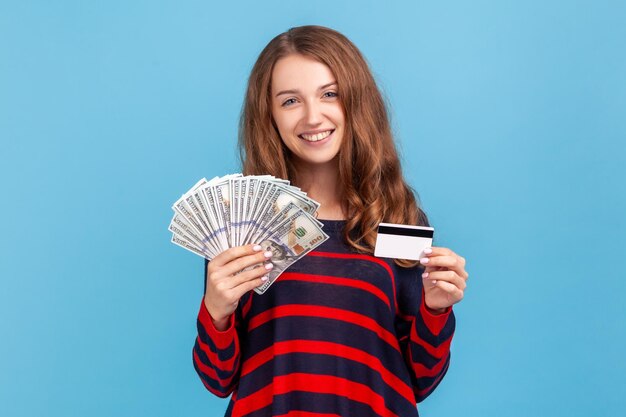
<point x="317" y="137"/>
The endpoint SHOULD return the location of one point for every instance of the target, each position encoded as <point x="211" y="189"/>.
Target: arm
<point x="424" y="335"/>
<point x="432" y="326"/>
<point x="216" y="352"/>
<point x="427" y="349"/>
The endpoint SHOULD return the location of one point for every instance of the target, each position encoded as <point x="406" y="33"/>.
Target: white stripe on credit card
<point x="402" y="241"/>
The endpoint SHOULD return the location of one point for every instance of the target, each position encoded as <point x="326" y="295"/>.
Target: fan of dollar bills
<point x="237" y="210"/>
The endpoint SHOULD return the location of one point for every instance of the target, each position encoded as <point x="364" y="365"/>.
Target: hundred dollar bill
<point x="300" y="198"/>
<point x="253" y="197"/>
<point x="186" y="245"/>
<point x="179" y="226"/>
<point x="222" y="198"/>
<point x="189" y="213"/>
<point x="289" y="242"/>
<point x="265" y="227"/>
<point x="234" y="185"/>
<point x="249" y="205"/>
<point x="215" y="215"/>
<point x="203" y="210"/>
<point x="259" y="187"/>
<point x="243" y="208"/>
<point x="279" y="198"/>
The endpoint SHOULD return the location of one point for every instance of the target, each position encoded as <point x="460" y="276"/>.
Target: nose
<point x="313" y="114"/>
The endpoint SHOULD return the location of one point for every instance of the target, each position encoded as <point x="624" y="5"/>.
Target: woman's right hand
<point x="226" y="284"/>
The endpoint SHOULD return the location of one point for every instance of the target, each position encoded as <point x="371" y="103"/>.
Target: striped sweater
<point x="338" y="334"/>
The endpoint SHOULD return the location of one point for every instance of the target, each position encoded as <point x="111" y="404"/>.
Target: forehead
<point x="299" y="72"/>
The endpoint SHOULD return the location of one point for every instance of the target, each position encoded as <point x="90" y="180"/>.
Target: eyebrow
<point x="298" y="91"/>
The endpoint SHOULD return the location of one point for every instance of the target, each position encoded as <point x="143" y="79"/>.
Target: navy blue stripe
<point x="409" y="286"/>
<point x="327" y="295"/>
<point x="330" y="291"/>
<point x="360" y="269"/>
<point x="425" y="358"/>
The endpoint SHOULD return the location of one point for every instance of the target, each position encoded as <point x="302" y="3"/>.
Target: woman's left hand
<point x="444" y="278"/>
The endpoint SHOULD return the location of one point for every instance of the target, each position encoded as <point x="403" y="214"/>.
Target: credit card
<point x="402" y="241"/>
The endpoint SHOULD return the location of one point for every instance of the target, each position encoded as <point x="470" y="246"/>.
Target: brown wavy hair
<point x="370" y="174"/>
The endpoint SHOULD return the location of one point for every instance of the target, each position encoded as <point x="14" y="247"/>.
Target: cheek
<point x="287" y="134"/>
<point x="283" y="122"/>
<point x="341" y="119"/>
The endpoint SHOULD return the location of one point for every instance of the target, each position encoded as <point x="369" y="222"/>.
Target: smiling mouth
<point x="316" y="137"/>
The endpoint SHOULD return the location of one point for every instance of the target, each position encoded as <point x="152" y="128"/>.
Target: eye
<point x="330" y="94"/>
<point x="288" y="102"/>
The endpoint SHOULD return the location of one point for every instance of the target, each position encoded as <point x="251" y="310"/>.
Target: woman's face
<point x="306" y="109"/>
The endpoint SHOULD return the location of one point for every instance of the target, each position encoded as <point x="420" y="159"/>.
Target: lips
<point x="316" y="137"/>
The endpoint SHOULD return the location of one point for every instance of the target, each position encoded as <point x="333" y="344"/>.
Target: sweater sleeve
<point x="216" y="353"/>
<point x="424" y="337"/>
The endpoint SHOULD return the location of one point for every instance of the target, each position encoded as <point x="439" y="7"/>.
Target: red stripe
<point x="362" y="257"/>
<point x="438" y="351"/>
<point x="346" y="282"/>
<point x="226" y="365"/>
<point x="421" y="371"/>
<point x="290" y="310"/>
<point x="420" y="393"/>
<point x="331" y="349"/>
<point x="212" y="373"/>
<point x="434" y="322"/>
<point x="320" y="384"/>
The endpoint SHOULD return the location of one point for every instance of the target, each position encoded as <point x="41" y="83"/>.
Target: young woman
<point x="341" y="332"/>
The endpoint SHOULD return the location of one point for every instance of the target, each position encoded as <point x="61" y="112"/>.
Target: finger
<point x="446" y="261"/>
<point x="454" y="293"/>
<point x="234" y="253"/>
<point x="429" y="282"/>
<point x="240" y="290"/>
<point x="447" y="276"/>
<point x="257" y="272"/>
<point x="433" y="268"/>
<point x="438" y="251"/>
<point x="236" y="266"/>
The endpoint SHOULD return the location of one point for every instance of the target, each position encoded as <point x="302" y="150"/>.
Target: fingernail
<point x="256" y="248"/>
<point x="269" y="266"/>
<point x="264" y="278"/>
<point x="424" y="260"/>
<point x="268" y="254"/>
<point x="425" y="275"/>
<point x="428" y="251"/>
<point x="434" y="281"/>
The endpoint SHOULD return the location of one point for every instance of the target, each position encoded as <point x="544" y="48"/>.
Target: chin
<point x="321" y="161"/>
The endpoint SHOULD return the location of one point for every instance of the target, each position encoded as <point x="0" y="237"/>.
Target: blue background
<point x="511" y="119"/>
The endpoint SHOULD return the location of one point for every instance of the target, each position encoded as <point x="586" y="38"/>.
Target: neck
<point x="321" y="183"/>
